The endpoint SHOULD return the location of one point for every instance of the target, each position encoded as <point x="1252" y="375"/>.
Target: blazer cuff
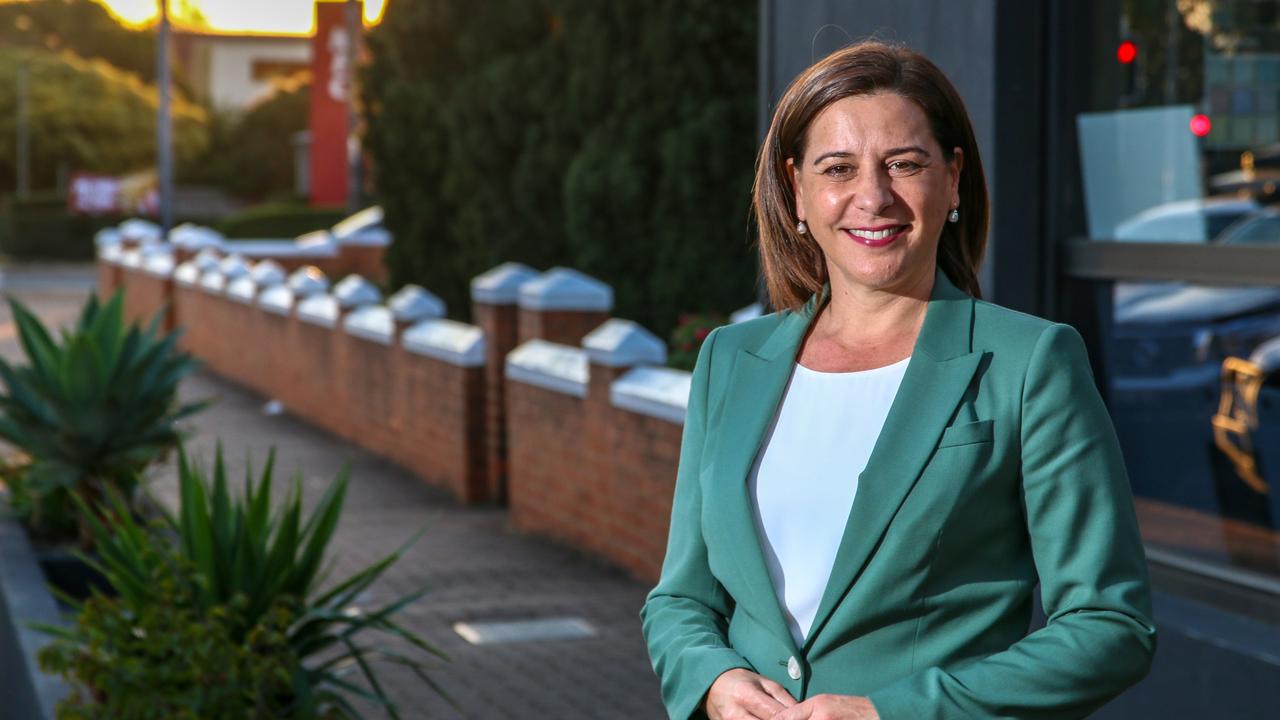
<point x="685" y="696"/>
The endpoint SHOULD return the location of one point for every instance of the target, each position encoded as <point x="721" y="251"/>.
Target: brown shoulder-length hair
<point x="793" y="264"/>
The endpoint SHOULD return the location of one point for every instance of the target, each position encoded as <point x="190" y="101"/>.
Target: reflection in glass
<point x="1193" y="375"/>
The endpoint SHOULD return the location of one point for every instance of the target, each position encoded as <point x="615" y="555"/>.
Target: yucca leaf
<point x="358" y="654"/>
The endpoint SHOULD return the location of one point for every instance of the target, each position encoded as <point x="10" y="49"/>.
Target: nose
<point x="871" y="192"/>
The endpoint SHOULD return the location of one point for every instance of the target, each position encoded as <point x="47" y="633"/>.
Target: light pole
<point x="164" y="128"/>
<point x="24" y="137"/>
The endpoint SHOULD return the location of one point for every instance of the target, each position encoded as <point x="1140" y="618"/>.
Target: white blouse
<point x="806" y="475"/>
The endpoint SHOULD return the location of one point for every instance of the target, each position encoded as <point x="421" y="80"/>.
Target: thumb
<point x="777" y="692"/>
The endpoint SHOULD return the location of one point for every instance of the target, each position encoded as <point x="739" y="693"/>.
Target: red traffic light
<point x="1200" y="125"/>
<point x="1127" y="52"/>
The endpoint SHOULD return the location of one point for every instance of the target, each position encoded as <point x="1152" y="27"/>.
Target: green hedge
<point x="615" y="138"/>
<point x="278" y="220"/>
<point x="41" y="228"/>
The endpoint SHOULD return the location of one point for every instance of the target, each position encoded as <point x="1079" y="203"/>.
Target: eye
<point x="838" y="170"/>
<point x="903" y="167"/>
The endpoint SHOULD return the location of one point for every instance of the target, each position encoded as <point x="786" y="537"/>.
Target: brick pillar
<point x="411" y="305"/>
<point x="612" y="349"/>
<point x="493" y="309"/>
<point x="562" y="306"/>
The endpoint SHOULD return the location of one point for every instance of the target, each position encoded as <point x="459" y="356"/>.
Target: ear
<point x="793" y="173"/>
<point x="954" y="168"/>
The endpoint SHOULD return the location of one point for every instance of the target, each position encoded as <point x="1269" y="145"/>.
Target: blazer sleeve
<point x="1099" y="638"/>
<point x="685" y="617"/>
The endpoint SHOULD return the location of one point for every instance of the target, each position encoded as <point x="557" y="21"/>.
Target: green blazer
<point x="997" y="468"/>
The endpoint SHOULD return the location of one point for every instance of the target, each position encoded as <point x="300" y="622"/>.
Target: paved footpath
<point x="473" y="564"/>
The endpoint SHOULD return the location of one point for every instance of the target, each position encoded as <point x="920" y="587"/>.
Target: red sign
<point x="329" y="91"/>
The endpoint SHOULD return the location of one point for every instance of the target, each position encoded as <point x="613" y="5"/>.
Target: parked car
<point x="1189" y="221"/>
<point x="1259" y="228"/>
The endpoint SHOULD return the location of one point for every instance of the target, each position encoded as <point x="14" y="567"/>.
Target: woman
<point x="873" y="480"/>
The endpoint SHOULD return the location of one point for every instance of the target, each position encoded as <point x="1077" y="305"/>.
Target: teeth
<point x="875" y="234"/>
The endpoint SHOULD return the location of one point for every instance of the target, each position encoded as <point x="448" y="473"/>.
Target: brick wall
<point x="146" y="295"/>
<point x="591" y="474"/>
<point x="566" y="327"/>
<point x="579" y="469"/>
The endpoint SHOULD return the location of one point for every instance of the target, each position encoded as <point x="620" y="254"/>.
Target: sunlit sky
<point x="262" y="16"/>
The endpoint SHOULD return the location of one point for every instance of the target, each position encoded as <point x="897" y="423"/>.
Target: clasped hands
<point x="740" y="694"/>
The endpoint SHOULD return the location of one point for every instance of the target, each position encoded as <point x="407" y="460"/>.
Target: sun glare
<point x="231" y="16"/>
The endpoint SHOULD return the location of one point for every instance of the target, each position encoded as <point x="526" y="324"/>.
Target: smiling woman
<point x="874" y="479"/>
<point x="254" y="16"/>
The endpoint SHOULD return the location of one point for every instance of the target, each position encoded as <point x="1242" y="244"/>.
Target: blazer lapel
<point x="758" y="379"/>
<point x="941" y="368"/>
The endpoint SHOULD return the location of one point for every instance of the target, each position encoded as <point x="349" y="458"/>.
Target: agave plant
<point x="252" y="557"/>
<point x="91" y="409"/>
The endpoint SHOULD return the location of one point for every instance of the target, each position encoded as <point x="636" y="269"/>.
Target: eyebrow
<point x="892" y="151"/>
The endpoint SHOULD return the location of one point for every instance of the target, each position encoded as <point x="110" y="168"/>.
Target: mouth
<point x="877" y="237"/>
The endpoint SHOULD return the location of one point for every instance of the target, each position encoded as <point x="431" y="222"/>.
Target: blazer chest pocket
<point x="968" y="433"/>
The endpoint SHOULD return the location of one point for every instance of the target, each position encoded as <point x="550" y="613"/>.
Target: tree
<point x="616" y="138"/>
<point x="86" y="115"/>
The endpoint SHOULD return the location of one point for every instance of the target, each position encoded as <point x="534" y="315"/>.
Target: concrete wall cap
<point x="623" y="343"/>
<point x="267" y="273"/>
<point x="110" y="253"/>
<point x="320" y="310"/>
<point x="413" y="303"/>
<point x="280" y="249"/>
<point x="131" y="258"/>
<point x="561" y="368"/>
<point x="354" y="291"/>
<point x="140" y="231"/>
<point x="208" y="258"/>
<point x="242" y="289"/>
<point x="308" y="280"/>
<point x="106" y="236"/>
<point x="233" y="266"/>
<point x="565" y="289"/>
<point x="453" y="342"/>
<point x="187" y="273"/>
<point x="659" y="392"/>
<point x="501" y="285"/>
<point x="371" y="322"/>
<point x="195" y="237"/>
<point x="277" y="300"/>
<point x="213" y="281"/>
<point x="750" y="312"/>
<point x="158" y="262"/>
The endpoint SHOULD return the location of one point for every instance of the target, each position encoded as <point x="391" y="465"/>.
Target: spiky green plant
<point x="91" y="409"/>
<point x="250" y="556"/>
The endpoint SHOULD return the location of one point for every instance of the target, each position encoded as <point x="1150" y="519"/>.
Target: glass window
<point x="1190" y="153"/>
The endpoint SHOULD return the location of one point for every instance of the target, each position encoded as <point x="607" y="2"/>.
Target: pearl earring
<point x="954" y="216"/>
<point x="802" y="228"/>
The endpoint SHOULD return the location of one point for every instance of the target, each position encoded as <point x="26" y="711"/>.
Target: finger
<point x="777" y="692"/>
<point x="800" y="711"/>
<point x="761" y="704"/>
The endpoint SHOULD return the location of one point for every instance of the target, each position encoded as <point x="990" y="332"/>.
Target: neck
<point x="858" y="316"/>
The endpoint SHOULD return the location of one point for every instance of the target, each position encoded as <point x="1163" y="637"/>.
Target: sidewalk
<point x="476" y="568"/>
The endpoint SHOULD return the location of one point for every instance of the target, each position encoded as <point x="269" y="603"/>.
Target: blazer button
<point x="793" y="667"/>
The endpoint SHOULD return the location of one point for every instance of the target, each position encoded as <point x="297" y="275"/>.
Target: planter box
<point x="27" y="693"/>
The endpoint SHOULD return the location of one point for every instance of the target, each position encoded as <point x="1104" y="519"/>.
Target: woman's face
<point x="875" y="189"/>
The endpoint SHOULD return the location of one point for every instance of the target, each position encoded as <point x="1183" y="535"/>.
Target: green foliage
<point x="687" y="337"/>
<point x="616" y="138"/>
<point x="251" y="155"/>
<point x="86" y="115"/>
<point x="41" y="227"/>
<point x="91" y="409"/>
<point x="278" y="220"/>
<point x="258" y="569"/>
<point x="164" y="657"/>
<point x="84" y="27"/>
